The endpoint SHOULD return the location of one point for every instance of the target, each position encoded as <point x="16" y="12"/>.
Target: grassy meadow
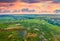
<point x="30" y="27"/>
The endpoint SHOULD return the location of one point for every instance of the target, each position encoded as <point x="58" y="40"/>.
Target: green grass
<point x="42" y="28"/>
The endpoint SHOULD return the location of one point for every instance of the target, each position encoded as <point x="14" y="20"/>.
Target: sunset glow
<point x="47" y="7"/>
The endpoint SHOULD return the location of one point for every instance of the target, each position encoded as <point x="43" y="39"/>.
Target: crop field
<point x="30" y="27"/>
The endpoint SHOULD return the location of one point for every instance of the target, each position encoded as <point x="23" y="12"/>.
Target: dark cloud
<point x="7" y="0"/>
<point x="29" y="1"/>
<point x="33" y="1"/>
<point x="56" y="0"/>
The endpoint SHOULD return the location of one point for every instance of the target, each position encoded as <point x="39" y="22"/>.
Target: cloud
<point x="56" y="1"/>
<point x="7" y="0"/>
<point x="33" y="1"/>
<point x="30" y="1"/>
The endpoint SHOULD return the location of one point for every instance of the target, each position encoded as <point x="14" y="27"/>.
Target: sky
<point x="30" y="1"/>
<point x="38" y="6"/>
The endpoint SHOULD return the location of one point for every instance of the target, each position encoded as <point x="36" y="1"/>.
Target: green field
<point x="43" y="30"/>
<point x="36" y="30"/>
